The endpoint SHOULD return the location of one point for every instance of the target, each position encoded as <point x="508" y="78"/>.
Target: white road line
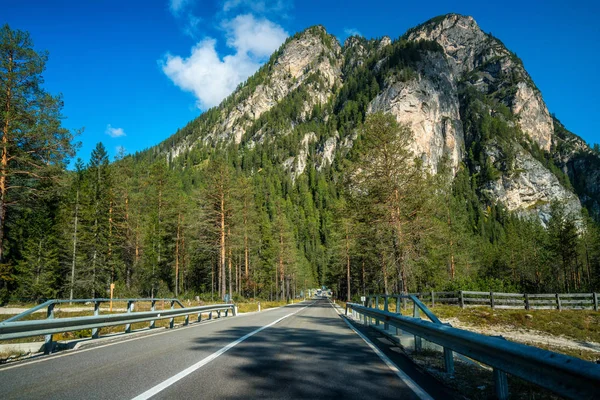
<point x="76" y="351"/>
<point x="418" y="390"/>
<point x="165" y="384"/>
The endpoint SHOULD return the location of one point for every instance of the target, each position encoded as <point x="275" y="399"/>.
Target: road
<point x="304" y="351"/>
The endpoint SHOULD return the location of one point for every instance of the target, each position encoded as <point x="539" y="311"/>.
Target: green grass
<point x="253" y="306"/>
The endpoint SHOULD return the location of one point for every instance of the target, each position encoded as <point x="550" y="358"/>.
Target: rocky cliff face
<point x="485" y="64"/>
<point x="471" y="51"/>
<point x="301" y="57"/>
<point x="423" y="91"/>
<point x="429" y="105"/>
<point x="531" y="188"/>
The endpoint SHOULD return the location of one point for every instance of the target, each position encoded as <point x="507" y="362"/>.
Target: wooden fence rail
<point x="527" y="301"/>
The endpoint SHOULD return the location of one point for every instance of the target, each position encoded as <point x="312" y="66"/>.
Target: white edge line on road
<point x="76" y="350"/>
<point x="418" y="390"/>
<point x="165" y="384"/>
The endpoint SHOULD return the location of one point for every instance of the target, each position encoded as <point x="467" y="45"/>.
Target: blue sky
<point x="131" y="72"/>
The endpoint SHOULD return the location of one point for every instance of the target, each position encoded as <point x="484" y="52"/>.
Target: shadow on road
<point x="310" y="355"/>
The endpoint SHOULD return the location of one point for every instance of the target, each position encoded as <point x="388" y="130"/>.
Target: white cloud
<point x="211" y="77"/>
<point x="114" y="132"/>
<point x="248" y="35"/>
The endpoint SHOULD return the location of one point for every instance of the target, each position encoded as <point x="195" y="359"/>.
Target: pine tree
<point x="563" y="244"/>
<point x="34" y="147"/>
<point x="95" y="218"/>
<point x="76" y="186"/>
<point x="386" y="178"/>
<point x="217" y="197"/>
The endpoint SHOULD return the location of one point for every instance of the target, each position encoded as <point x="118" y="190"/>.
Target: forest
<point x="229" y="219"/>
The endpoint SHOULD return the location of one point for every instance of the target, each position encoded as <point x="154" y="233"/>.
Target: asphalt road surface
<point x="303" y="351"/>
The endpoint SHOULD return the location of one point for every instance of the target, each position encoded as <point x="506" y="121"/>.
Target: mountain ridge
<point x="421" y="78"/>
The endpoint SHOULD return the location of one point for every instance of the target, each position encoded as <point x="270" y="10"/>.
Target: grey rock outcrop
<point x="429" y="105"/>
<point x="469" y="49"/>
<point x="531" y="188"/>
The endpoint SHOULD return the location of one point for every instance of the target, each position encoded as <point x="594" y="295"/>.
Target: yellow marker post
<point x="112" y="289"/>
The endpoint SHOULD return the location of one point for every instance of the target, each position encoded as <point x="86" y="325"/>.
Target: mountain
<point x="446" y="79"/>
<point x="428" y="162"/>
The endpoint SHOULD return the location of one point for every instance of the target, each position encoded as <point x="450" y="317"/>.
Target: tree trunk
<point x="136" y="260"/>
<point x="246" y="251"/>
<point x="229" y="264"/>
<point x="364" y="278"/>
<point x="4" y="159"/>
<point x="158" y="246"/>
<point x="385" y="275"/>
<point x="184" y="281"/>
<point x="74" y="245"/>
<point x="110" y="222"/>
<point x="347" y="265"/>
<point x="223" y="288"/>
<point x="237" y="276"/>
<point x="452" y="265"/>
<point x="398" y="227"/>
<point x="177" y="256"/>
<point x="39" y="263"/>
<point x="281" y="264"/>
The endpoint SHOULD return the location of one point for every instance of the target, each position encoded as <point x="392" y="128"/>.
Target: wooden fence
<point x="546" y="301"/>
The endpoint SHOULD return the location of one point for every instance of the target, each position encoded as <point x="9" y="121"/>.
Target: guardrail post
<point x="527" y="306"/>
<point x="153" y="308"/>
<point x="386" y="326"/>
<point x="95" y="331"/>
<point x="377" y="308"/>
<point x="172" y="320"/>
<point x="501" y="384"/>
<point x="461" y="299"/>
<point x="492" y="300"/>
<point x="558" y="305"/>
<point x="234" y="310"/>
<point x="595" y="296"/>
<point x="449" y="360"/>
<point x="432" y="300"/>
<point x="417" y="314"/>
<point x="187" y="320"/>
<point x="199" y="316"/>
<point x="129" y="309"/>
<point x="398" y="311"/>
<point x="210" y="315"/>
<point x="49" y="344"/>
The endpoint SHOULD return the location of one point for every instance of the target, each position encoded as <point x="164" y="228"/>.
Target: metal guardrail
<point x="15" y="328"/>
<point x="526" y="301"/>
<point x="568" y="376"/>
